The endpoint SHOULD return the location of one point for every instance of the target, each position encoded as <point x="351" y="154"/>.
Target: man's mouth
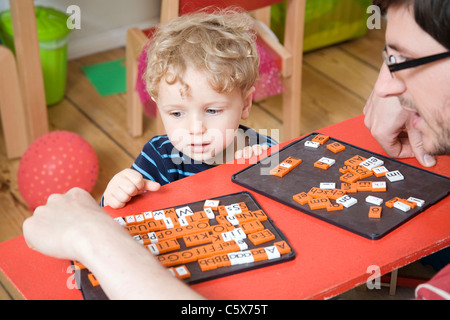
<point x="407" y="105"/>
<point x="415" y="120"/>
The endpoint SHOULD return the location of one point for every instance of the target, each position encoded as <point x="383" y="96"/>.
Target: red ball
<point x="55" y="163"/>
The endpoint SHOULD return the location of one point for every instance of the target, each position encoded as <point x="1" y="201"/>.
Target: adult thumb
<point x="416" y="143"/>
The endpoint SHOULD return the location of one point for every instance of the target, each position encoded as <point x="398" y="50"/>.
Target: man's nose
<point x="388" y="85"/>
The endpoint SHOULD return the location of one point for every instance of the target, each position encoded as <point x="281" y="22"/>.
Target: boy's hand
<point x="125" y="185"/>
<point x="248" y="152"/>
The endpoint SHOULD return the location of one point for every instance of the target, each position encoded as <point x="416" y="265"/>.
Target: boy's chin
<point x="207" y="158"/>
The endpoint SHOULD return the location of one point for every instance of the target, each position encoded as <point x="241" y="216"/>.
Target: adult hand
<point x="58" y="229"/>
<point x="390" y="125"/>
<point x="73" y="226"/>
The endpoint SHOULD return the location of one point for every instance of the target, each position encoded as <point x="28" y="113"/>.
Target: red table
<point x="329" y="260"/>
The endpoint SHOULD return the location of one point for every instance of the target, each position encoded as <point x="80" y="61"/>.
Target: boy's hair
<point x="220" y="44"/>
<point x="433" y="16"/>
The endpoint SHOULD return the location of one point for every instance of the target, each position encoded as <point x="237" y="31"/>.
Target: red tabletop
<point x="329" y="260"/>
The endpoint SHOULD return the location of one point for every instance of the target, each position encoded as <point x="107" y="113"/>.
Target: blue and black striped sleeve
<point x="156" y="160"/>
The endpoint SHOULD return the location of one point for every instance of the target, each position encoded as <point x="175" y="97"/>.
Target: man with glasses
<point x="409" y="110"/>
<point x="411" y="96"/>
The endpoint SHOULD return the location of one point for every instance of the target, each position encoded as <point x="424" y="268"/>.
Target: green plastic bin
<point x="327" y="22"/>
<point x="53" y="37"/>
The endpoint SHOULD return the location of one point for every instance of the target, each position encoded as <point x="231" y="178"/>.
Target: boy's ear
<point x="248" y="100"/>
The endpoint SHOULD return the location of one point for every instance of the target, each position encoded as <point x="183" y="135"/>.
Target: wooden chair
<point x="291" y="54"/>
<point x="22" y="95"/>
<point x="12" y="111"/>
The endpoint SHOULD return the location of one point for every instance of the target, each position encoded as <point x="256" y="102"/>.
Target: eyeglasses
<point x="393" y="65"/>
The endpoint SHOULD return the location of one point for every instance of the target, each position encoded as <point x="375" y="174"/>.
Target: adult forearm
<point x="126" y="270"/>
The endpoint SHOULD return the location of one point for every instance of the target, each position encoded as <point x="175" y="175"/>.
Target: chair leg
<point x="12" y="110"/>
<point x="29" y="66"/>
<point x="293" y="39"/>
<point x="134" y="45"/>
<point x="134" y="109"/>
<point x="291" y="109"/>
<point x="393" y="282"/>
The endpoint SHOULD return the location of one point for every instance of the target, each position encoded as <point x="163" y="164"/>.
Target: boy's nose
<point x="388" y="85"/>
<point x="196" y="126"/>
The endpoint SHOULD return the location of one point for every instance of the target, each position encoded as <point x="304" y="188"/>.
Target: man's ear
<point x="248" y="101"/>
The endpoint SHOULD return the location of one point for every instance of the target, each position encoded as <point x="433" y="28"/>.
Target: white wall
<point x="103" y="22"/>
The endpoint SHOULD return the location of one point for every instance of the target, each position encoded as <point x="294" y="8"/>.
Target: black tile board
<point x="96" y="293"/>
<point x="418" y="183"/>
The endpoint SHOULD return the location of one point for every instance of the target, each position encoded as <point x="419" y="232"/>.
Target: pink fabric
<point x="269" y="84"/>
<point x="437" y="288"/>
<point x="148" y="104"/>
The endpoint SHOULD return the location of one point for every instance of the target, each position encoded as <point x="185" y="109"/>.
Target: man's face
<point x="423" y="91"/>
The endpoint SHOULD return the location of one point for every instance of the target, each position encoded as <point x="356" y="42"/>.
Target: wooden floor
<point x="336" y="83"/>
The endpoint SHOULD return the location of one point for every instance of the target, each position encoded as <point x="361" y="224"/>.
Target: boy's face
<point x="423" y="90"/>
<point x="203" y="122"/>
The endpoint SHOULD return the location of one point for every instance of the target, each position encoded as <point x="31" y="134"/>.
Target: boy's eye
<point x="175" y="114"/>
<point x="212" y="111"/>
